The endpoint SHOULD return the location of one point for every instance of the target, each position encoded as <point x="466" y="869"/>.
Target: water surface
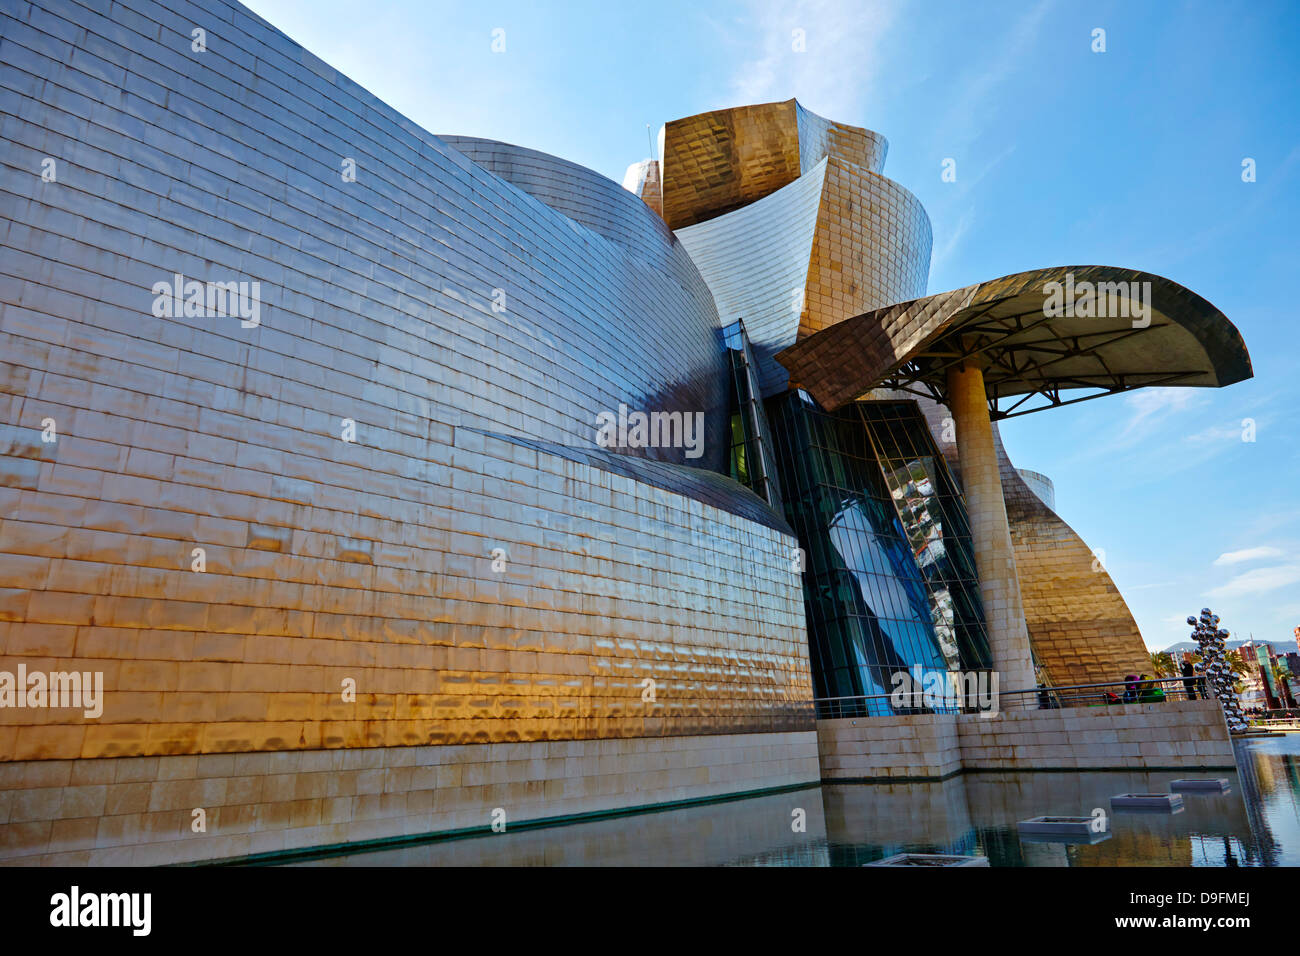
<point x="1257" y="823"/>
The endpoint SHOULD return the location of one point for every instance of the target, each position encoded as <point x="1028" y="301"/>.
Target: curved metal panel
<point x="820" y="137"/>
<point x="582" y="194"/>
<point x="872" y="247"/>
<point x="719" y="161"/>
<point x="1080" y="626"/>
<point x="643" y="180"/>
<point x="1040" y="485"/>
<point x="835" y="241"/>
<point x="1010" y="326"/>
<point x="755" y="260"/>
<point x="329" y="460"/>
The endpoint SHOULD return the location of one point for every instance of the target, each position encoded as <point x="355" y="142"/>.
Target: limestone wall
<point x="1181" y="734"/>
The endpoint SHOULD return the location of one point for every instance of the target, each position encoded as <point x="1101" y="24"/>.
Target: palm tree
<point x="1162" y="664"/>
<point x="1237" y="664"/>
<point x="1235" y="661"/>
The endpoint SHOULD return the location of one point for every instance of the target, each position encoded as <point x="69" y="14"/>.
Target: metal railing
<point x="1153" y="690"/>
<point x="868" y="705"/>
<point x="1278" y="717"/>
<point x="1113" y="693"/>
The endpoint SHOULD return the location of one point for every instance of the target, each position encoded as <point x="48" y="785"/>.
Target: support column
<point x="995" y="558"/>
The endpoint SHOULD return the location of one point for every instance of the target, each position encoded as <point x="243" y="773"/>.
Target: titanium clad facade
<point x="1080" y="626"/>
<point x="805" y="252"/>
<point x="725" y="159"/>
<point x="1040" y="485"/>
<point x="356" y="466"/>
<point x="422" y="233"/>
<point x="820" y="137"/>
<point x="872" y="247"/>
<point x="586" y="197"/>
<point x="719" y="161"/>
<point x="643" y="181"/>
<point x="755" y="261"/>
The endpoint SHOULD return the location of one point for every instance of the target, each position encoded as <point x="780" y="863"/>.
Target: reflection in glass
<point x="889" y="582"/>
<point x="750" y="456"/>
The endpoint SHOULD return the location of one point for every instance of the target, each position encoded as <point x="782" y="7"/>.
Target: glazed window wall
<point x="933" y="515"/>
<point x="889" y="577"/>
<point x="750" y="457"/>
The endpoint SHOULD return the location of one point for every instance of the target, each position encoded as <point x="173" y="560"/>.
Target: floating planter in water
<point x="1147" y="801"/>
<point x="1060" y="830"/>
<point x="1201" y="785"/>
<point x="930" y="859"/>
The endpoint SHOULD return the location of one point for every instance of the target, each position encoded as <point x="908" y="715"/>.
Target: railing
<point x="1155" y="690"/>
<point x="1151" y="691"/>
<point x="1282" y="717"/>
<point x="870" y="705"/>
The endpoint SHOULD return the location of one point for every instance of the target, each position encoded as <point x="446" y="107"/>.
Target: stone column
<point x="995" y="558"/>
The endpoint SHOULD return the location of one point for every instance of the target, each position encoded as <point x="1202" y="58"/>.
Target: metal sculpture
<point x="1214" y="665"/>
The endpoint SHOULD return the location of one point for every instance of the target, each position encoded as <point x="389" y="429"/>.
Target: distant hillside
<point x="1279" y="647"/>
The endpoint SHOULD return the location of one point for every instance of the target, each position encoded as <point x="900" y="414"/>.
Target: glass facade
<point x="750" y="457"/>
<point x="933" y="514"/>
<point x="889" y="576"/>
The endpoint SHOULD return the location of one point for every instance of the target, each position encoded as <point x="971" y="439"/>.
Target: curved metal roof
<point x="1034" y="334"/>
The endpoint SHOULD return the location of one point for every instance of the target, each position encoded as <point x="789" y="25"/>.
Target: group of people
<point x="1142" y="690"/>
<point x="1138" y="689"/>
<point x="1275" y="714"/>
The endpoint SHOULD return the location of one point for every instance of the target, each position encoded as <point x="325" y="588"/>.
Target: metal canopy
<point x="1032" y="345"/>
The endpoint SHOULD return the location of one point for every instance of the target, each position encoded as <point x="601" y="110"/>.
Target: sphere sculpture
<point x="1214" y="665"/>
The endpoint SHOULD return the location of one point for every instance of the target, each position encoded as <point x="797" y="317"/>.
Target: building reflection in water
<point x="757" y="831"/>
<point x="1256" y="823"/>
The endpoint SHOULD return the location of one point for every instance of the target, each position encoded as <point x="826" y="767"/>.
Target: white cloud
<point x="836" y="75"/>
<point x="1217" y="433"/>
<point x="1149" y="406"/>
<point x="1247" y="554"/>
<point x="1258" y="581"/>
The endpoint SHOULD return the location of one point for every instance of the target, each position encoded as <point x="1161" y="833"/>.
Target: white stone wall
<point x="1190" y="734"/>
<point x="1170" y="734"/>
<point x="925" y="745"/>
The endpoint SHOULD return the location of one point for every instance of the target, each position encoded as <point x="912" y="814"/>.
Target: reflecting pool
<point x="1255" y="823"/>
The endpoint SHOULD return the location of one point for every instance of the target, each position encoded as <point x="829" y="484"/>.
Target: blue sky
<point x="1131" y="157"/>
